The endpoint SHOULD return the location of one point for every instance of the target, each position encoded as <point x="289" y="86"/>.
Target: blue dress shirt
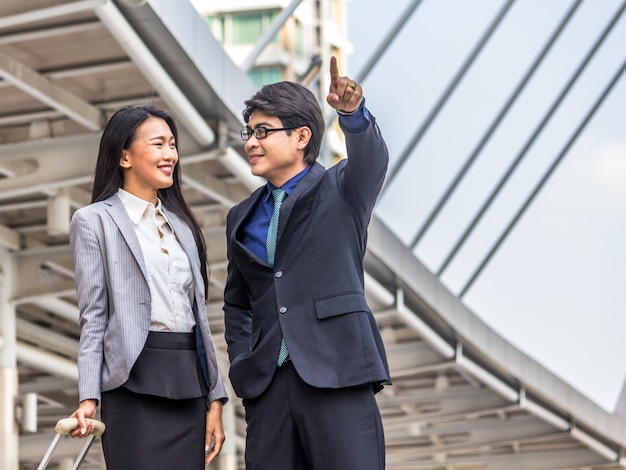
<point x="255" y="231"/>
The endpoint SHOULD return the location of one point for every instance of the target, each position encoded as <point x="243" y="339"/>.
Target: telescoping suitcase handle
<point x="67" y="425"/>
<point x="63" y="428"/>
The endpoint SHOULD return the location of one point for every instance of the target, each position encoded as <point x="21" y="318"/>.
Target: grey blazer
<point x="114" y="297"/>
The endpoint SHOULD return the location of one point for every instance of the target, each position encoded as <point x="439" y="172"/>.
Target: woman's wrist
<point x="215" y="405"/>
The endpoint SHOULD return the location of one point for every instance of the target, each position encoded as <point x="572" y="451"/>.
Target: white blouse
<point x="169" y="273"/>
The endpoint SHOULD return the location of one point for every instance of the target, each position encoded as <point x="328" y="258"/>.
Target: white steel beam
<point x="601" y="449"/>
<point x="185" y="111"/>
<point x="132" y="44"/>
<point x="45" y="33"/>
<point x="485" y="377"/>
<point x="43" y="361"/>
<point x="39" y="87"/>
<point x="47" y="338"/>
<point x="19" y="12"/>
<point x="541" y="412"/>
<point x="426" y="332"/>
<point x="208" y="185"/>
<point x="57" y="306"/>
<point x="9" y="238"/>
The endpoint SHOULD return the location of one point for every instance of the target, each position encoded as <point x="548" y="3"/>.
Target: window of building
<point x="300" y="40"/>
<point x="248" y="28"/>
<point x="264" y="76"/>
<point x="216" y="25"/>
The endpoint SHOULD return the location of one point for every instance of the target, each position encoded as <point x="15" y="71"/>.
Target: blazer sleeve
<point x="89" y="267"/>
<point x="362" y="178"/>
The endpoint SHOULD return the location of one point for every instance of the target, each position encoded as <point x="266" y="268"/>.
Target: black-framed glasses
<point x="261" y="132"/>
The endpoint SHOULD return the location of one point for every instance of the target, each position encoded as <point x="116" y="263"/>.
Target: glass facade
<point x="265" y="75"/>
<point x="238" y="29"/>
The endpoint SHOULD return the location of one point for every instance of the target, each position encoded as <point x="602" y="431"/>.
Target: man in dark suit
<point x="306" y="354"/>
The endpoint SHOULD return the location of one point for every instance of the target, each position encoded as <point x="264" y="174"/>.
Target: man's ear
<point x="124" y="161"/>
<point x="304" y="136"/>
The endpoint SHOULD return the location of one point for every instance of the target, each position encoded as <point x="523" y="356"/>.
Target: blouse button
<point x="282" y="309"/>
<point x="278" y="274"/>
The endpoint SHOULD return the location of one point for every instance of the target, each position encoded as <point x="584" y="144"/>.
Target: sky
<point x="556" y="287"/>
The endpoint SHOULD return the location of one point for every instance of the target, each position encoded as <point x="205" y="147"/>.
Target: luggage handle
<point x="63" y="428"/>
<point x="67" y="425"/>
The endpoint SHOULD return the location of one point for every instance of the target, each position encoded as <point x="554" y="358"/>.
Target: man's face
<point x="280" y="154"/>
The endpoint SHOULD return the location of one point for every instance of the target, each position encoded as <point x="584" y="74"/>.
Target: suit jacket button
<point x="282" y="309"/>
<point x="278" y="274"/>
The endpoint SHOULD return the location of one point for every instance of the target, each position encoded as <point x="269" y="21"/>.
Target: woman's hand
<point x="215" y="436"/>
<point x="85" y="412"/>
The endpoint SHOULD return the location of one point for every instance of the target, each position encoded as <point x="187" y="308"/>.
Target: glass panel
<point x="300" y="44"/>
<point x="216" y="25"/>
<point x="263" y="76"/>
<point x="247" y="29"/>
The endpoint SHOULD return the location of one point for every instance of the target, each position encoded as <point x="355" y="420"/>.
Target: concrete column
<point x="9" y="459"/>
<point x="9" y="455"/>
<point x="59" y="214"/>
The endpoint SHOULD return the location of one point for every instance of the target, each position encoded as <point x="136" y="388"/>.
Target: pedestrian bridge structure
<point x="462" y="398"/>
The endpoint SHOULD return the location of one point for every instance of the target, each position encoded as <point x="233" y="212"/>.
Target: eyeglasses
<point x="261" y="132"/>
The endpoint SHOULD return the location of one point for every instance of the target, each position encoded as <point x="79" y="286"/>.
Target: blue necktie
<point x="279" y="195"/>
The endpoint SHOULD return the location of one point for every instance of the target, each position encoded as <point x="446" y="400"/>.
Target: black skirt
<point x="157" y="419"/>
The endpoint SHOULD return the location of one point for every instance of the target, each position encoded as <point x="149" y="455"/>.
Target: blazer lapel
<point x="184" y="236"/>
<point x="120" y="217"/>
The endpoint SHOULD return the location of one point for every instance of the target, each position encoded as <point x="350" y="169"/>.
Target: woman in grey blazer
<point x="146" y="354"/>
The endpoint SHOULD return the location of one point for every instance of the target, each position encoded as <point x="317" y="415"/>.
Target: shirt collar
<point x="290" y="185"/>
<point x="137" y="207"/>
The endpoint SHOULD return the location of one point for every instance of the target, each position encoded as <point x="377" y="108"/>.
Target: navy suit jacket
<point x="313" y="296"/>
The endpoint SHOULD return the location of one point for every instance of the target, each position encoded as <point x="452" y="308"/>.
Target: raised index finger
<point x="334" y="72"/>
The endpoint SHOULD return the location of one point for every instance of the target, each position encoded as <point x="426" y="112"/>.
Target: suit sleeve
<point x="362" y="178"/>
<point x="237" y="308"/>
<point x="89" y="267"/>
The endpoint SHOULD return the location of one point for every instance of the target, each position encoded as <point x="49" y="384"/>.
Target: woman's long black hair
<point x="118" y="135"/>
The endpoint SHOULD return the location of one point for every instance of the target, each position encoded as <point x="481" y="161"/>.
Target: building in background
<point x="270" y="44"/>
<point x="304" y="40"/>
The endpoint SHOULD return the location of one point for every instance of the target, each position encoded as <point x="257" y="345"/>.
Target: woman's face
<point x="148" y="165"/>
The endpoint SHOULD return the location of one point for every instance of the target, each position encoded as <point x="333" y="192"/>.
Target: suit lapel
<point x="245" y="210"/>
<point x="287" y="206"/>
<point x="246" y="207"/>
